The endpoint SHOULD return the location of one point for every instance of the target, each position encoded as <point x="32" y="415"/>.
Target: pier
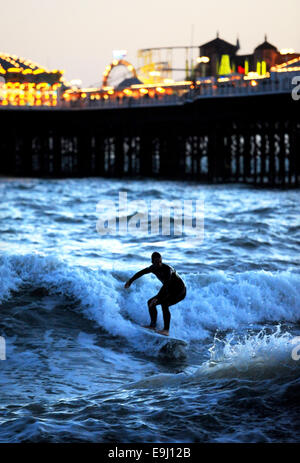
<point x="249" y="136"/>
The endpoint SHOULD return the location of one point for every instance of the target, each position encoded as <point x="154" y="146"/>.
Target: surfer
<point x="172" y="291"/>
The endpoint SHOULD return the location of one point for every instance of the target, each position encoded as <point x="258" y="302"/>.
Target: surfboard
<point x="162" y="336"/>
<point x="170" y="347"/>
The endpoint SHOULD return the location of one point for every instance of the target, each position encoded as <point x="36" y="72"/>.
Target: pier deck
<point x="246" y="138"/>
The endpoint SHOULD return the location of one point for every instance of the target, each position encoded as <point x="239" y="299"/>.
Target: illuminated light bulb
<point x="287" y="51"/>
<point x="14" y="70"/>
<point x="203" y="59"/>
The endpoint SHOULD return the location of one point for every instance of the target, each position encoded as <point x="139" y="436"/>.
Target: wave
<point x="261" y="352"/>
<point x="215" y="301"/>
<point x="261" y="356"/>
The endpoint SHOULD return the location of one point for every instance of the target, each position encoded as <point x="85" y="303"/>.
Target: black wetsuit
<point x="172" y="291"/>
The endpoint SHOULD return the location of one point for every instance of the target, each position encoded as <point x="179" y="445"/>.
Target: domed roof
<point x="265" y="46"/>
<point x="8" y="61"/>
<point x="14" y="68"/>
<point x="128" y="82"/>
<point x="221" y="45"/>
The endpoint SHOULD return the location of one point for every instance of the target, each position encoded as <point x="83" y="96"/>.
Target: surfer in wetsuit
<point x="172" y="291"/>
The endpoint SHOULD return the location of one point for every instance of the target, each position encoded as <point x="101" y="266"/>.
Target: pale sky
<point x="79" y="36"/>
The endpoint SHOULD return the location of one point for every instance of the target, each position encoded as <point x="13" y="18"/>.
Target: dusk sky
<point x="79" y="36"/>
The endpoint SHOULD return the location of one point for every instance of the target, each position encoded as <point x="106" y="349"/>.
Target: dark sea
<point x="76" y="366"/>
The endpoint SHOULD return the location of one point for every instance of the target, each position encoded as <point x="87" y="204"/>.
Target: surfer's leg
<point x="176" y="297"/>
<point x="170" y="300"/>
<point x="152" y="312"/>
<point x="167" y="317"/>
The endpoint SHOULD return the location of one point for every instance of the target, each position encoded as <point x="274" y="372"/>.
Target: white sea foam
<point x="258" y="356"/>
<point x="215" y="301"/>
<point x="261" y="354"/>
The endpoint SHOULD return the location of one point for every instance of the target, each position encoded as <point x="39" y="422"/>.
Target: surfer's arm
<point x="137" y="275"/>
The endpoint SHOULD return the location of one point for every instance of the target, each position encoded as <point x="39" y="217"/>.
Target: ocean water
<point x="79" y="369"/>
